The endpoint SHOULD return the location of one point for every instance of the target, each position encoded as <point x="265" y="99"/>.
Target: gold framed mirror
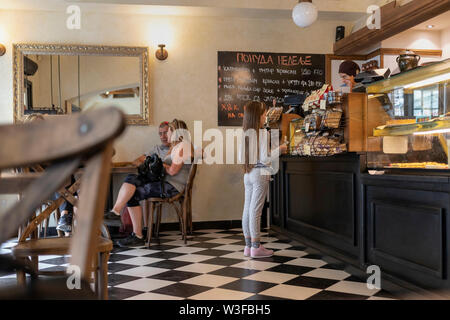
<point x="55" y="79"/>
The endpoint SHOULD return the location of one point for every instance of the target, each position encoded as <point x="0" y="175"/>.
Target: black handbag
<point x="152" y="170"/>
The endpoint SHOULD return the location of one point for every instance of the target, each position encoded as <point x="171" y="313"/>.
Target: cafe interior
<point x="355" y="90"/>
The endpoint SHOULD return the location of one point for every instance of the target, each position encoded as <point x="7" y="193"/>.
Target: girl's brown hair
<point x="174" y="126"/>
<point x="252" y="120"/>
<point x="180" y="125"/>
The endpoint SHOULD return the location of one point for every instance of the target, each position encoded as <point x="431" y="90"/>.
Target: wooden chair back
<point x="190" y="182"/>
<point x="65" y="142"/>
<point x="187" y="201"/>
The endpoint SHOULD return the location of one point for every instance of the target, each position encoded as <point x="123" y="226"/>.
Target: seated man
<point x="162" y="149"/>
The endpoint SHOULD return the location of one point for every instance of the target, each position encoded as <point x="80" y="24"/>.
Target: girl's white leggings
<point x="256" y="186"/>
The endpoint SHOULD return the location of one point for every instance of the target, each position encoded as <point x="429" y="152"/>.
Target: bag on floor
<point x="127" y="225"/>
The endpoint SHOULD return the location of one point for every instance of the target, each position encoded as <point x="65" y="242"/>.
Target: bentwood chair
<point x="29" y="247"/>
<point x="42" y="228"/>
<point x="182" y="203"/>
<point x="65" y="142"/>
<point x="41" y="224"/>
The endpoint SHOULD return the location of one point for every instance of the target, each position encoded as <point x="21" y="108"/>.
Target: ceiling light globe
<point x="304" y="14"/>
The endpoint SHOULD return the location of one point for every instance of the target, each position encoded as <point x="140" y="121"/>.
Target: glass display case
<point x="408" y="121"/>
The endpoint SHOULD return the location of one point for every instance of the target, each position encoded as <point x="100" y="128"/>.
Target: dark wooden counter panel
<point x="396" y="221"/>
<point x="406" y="227"/>
<point x="317" y="198"/>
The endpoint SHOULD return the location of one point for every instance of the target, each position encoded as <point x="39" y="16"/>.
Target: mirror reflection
<point x="62" y="84"/>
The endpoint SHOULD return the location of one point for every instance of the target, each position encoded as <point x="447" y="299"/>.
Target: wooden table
<point x="118" y="168"/>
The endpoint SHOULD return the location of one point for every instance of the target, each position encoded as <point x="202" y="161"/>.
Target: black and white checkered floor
<point x="212" y="266"/>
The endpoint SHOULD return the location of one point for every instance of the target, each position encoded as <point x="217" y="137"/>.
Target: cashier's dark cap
<point x="349" y="67"/>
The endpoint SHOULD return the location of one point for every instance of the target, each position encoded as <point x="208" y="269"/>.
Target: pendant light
<point x="305" y="13"/>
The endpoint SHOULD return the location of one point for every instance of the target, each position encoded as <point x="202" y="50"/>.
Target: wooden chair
<point x="66" y="142"/>
<point x="45" y="218"/>
<point x="184" y="212"/>
<point x="28" y="246"/>
<point x="42" y="227"/>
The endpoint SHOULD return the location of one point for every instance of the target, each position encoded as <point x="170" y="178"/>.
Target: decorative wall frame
<point x="21" y="49"/>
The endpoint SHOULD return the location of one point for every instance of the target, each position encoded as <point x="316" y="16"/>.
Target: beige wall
<point x="445" y="42"/>
<point x="184" y="86"/>
<point x="415" y="39"/>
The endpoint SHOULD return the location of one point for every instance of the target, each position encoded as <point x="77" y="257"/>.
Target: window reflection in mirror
<point x="64" y="84"/>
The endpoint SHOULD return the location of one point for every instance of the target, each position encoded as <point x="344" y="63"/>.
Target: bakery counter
<point x="397" y="221"/>
<point x="318" y="201"/>
<point x="405" y="228"/>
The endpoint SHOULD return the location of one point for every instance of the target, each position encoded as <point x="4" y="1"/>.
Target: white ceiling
<point x="441" y="22"/>
<point x="343" y="10"/>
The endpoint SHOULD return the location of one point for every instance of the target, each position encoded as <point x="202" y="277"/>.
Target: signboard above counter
<point x="249" y="76"/>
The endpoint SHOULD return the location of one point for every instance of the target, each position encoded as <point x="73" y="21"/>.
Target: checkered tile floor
<point x="212" y="266"/>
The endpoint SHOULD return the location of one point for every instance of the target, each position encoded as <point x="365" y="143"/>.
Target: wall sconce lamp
<point x="162" y="54"/>
<point x="2" y="50"/>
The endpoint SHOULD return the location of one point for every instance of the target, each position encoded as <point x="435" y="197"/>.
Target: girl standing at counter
<point x="256" y="177"/>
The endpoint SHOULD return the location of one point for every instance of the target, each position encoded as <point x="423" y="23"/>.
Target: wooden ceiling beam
<point x="394" y="19"/>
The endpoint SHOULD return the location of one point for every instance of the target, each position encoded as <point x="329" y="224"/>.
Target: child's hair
<point x="174" y="126"/>
<point x="180" y="130"/>
<point x="252" y="120"/>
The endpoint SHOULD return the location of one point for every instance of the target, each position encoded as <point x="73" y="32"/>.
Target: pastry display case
<point x="321" y="132"/>
<point x="408" y="120"/>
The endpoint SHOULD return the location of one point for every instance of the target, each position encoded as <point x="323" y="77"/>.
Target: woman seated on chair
<point x="176" y="164"/>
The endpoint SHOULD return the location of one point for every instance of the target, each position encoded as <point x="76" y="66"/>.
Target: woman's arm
<point x="173" y="169"/>
<point x="274" y="153"/>
<point x="178" y="159"/>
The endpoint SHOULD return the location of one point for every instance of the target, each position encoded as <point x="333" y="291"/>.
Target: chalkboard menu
<point x="248" y="76"/>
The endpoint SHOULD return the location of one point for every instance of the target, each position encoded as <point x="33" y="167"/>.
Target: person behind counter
<point x="256" y="179"/>
<point x="348" y="71"/>
<point x="176" y="164"/>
